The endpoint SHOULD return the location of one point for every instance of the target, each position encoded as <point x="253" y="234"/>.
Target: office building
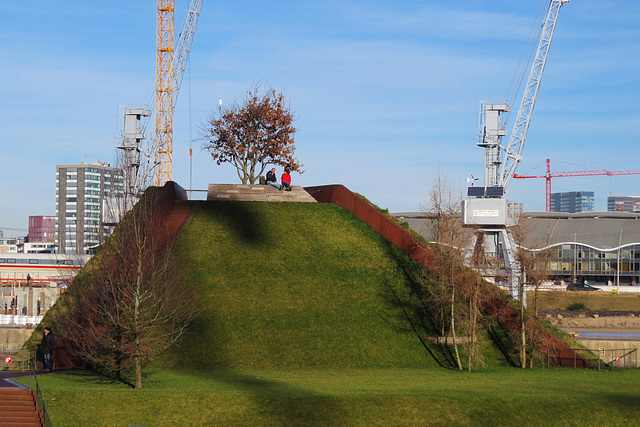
<point x="623" y="204"/>
<point x="42" y="229"/>
<point x="9" y="245"/>
<point x="81" y="192"/>
<point x="572" y="202"/>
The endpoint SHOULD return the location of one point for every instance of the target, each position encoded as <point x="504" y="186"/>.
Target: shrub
<point x="576" y="306"/>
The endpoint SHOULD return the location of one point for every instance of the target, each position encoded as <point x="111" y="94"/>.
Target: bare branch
<point x="140" y="304"/>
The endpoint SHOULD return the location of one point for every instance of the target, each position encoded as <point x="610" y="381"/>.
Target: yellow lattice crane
<point x="171" y="61"/>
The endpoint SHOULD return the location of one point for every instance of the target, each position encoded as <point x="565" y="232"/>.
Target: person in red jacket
<point x="286" y="179"/>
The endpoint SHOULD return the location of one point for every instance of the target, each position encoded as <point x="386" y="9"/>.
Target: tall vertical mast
<point x="164" y="92"/>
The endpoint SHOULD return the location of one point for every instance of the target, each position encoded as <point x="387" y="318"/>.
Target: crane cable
<point x="190" y="123"/>
<point x="520" y="72"/>
<point x="220" y="56"/>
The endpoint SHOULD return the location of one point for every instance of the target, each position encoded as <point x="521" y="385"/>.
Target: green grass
<point x="374" y="396"/>
<point x="289" y="285"/>
<point x="559" y="300"/>
<point x="306" y="318"/>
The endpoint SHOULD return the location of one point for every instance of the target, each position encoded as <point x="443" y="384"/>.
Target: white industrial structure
<point x="487" y="207"/>
<point x="171" y="62"/>
<point x="132" y="137"/>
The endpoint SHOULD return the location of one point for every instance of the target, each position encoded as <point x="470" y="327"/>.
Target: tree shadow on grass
<point x="243" y="218"/>
<point x="623" y="402"/>
<point x="407" y="315"/>
<point x="92" y="377"/>
<point x="419" y="319"/>
<point x="282" y="403"/>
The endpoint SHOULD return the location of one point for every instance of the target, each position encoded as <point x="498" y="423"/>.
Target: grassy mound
<point x="294" y="285"/>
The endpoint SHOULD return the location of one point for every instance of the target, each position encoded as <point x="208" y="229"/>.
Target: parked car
<point x="581" y="287"/>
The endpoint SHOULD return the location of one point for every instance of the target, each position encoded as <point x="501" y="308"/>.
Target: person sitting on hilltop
<point x="271" y="179"/>
<point x="286" y="179"/>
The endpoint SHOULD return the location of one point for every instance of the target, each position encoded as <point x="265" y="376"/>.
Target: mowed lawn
<point x="347" y="397"/>
<point x="306" y="318"/>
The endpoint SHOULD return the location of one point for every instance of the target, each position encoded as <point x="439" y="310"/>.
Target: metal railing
<point x="619" y="357"/>
<point x="19" y="359"/>
<point x="602" y="358"/>
<point x="40" y="405"/>
<point x="23" y="361"/>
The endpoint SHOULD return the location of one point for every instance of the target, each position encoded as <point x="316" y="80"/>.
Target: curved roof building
<point x="599" y="248"/>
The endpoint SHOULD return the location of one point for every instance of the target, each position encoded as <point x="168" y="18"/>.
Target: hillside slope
<point x="294" y="285"/>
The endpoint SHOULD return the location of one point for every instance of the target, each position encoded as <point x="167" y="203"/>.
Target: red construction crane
<point x="550" y="175"/>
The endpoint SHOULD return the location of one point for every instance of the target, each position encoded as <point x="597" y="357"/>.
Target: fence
<point x="23" y="361"/>
<point x="40" y="404"/>
<point x="16" y="360"/>
<point x="603" y="358"/>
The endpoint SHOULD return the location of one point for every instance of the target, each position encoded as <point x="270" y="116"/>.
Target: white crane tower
<point x="487" y="207"/>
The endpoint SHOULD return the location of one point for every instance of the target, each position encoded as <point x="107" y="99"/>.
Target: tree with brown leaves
<point x="253" y="135"/>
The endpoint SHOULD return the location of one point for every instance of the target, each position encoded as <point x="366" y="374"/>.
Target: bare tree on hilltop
<point x="139" y="304"/>
<point x="252" y="135"/>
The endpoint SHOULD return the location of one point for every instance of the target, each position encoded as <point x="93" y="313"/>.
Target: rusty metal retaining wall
<point x="493" y="303"/>
<point x="384" y="225"/>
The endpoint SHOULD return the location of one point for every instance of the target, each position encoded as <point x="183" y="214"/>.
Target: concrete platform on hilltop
<point x="257" y="192"/>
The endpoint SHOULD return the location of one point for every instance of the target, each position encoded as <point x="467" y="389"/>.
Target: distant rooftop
<point x="601" y="230"/>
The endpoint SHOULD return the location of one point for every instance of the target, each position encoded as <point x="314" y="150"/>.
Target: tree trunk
<point x="453" y="322"/>
<point x="523" y="334"/>
<point x="138" y="372"/>
<point x="136" y="319"/>
<point x="523" y="348"/>
<point x="443" y="323"/>
<point x="473" y="319"/>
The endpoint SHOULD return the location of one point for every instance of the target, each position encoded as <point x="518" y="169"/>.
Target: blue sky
<point x="383" y="91"/>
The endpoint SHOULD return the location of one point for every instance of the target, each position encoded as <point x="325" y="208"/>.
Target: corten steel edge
<point x="493" y="302"/>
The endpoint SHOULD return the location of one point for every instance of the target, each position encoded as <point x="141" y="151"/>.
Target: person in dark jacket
<point x="46" y="346"/>
<point x="271" y="179"/>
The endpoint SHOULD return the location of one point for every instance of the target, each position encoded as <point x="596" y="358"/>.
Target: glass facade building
<point x="623" y="204"/>
<point x="42" y="229"/>
<point x="579" y="262"/>
<point x="572" y="201"/>
<point x="598" y="248"/>
<point x="81" y="191"/>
